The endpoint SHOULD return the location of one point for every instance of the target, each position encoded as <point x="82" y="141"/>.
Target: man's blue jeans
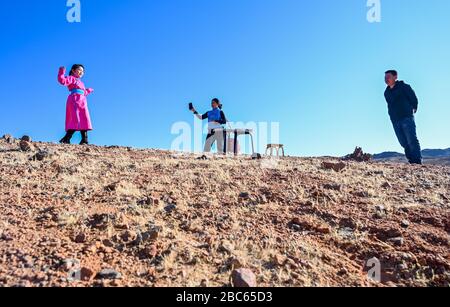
<point x="405" y="129"/>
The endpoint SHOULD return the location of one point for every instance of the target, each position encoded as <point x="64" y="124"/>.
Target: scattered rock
<point x="243" y="278"/>
<point x="25" y="146"/>
<point x="358" y="155"/>
<point x="380" y="212"/>
<point x="108" y="274"/>
<point x="410" y="191"/>
<point x="299" y="224"/>
<point x="68" y="264"/>
<point x="148" y="201"/>
<point x="80" y="238"/>
<point x="26" y="138"/>
<point x="279" y="260"/>
<point x="226" y="247"/>
<point x="8" y="138"/>
<point x="332" y="186"/>
<point x="398" y="241"/>
<point x="149" y="252"/>
<point x="296" y="227"/>
<point x="405" y="223"/>
<point x="99" y="221"/>
<point x="363" y="194"/>
<point x="386" y="233"/>
<point x="128" y="236"/>
<point x="386" y="185"/>
<point x="87" y="274"/>
<point x="170" y="208"/>
<point x="244" y="195"/>
<point x="337" y="167"/>
<point x="41" y="155"/>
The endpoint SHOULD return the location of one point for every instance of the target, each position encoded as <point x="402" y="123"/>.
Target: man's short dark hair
<point x="392" y="72"/>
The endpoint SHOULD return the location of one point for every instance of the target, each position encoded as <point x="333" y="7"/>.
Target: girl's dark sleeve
<point x="223" y="119"/>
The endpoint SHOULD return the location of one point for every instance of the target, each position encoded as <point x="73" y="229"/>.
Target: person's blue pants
<point x="405" y="129"/>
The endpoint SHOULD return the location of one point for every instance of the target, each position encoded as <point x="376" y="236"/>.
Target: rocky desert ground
<point x="88" y="216"/>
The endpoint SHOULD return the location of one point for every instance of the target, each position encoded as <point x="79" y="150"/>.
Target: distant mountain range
<point x="430" y="156"/>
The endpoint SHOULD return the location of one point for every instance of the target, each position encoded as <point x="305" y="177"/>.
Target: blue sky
<point x="316" y="67"/>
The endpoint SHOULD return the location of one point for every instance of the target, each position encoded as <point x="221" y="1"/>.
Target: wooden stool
<point x="277" y="147"/>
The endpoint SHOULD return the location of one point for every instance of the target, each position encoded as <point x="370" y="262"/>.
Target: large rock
<point x="26" y="138"/>
<point x="8" y="138"/>
<point x="337" y="167"/>
<point x="243" y="278"/>
<point x="26" y="146"/>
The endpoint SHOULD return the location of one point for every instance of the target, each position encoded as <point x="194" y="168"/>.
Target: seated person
<point x="216" y="121"/>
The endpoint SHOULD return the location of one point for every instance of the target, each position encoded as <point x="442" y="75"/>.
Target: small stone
<point x="279" y="260"/>
<point x="410" y="191"/>
<point x="108" y="243"/>
<point x="296" y="227"/>
<point x="170" y="208"/>
<point x="86" y="274"/>
<point x="396" y="241"/>
<point x="405" y="224"/>
<point x="41" y="155"/>
<point x="108" y="274"/>
<point x="68" y="264"/>
<point x="153" y="234"/>
<point x="150" y="252"/>
<point x="244" y="195"/>
<point x="226" y="247"/>
<point x="128" y="236"/>
<point x="80" y="238"/>
<point x="323" y="229"/>
<point x="386" y="185"/>
<point x="333" y="186"/>
<point x="380" y="212"/>
<point x="243" y="278"/>
<point x="363" y="194"/>
<point x="148" y="201"/>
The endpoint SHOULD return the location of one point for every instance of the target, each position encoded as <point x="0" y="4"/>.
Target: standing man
<point x="402" y="104"/>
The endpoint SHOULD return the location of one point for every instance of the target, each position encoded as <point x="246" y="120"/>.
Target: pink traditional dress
<point x="77" y="113"/>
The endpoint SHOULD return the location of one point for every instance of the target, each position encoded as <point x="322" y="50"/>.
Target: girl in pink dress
<point x="77" y="113"/>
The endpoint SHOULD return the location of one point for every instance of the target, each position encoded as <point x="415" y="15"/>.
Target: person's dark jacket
<point x="401" y="100"/>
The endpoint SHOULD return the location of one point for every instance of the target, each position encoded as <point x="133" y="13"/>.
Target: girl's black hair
<point x="75" y="66"/>
<point x="216" y="100"/>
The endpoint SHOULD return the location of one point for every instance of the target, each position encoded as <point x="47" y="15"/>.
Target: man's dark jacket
<point x="401" y="100"/>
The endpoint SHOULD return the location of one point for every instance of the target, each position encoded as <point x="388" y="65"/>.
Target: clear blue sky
<point x="314" y="66"/>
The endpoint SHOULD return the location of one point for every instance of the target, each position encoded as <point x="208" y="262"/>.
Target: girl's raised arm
<point x="62" y="79"/>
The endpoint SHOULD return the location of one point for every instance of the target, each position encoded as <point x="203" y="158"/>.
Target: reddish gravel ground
<point x="98" y="216"/>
